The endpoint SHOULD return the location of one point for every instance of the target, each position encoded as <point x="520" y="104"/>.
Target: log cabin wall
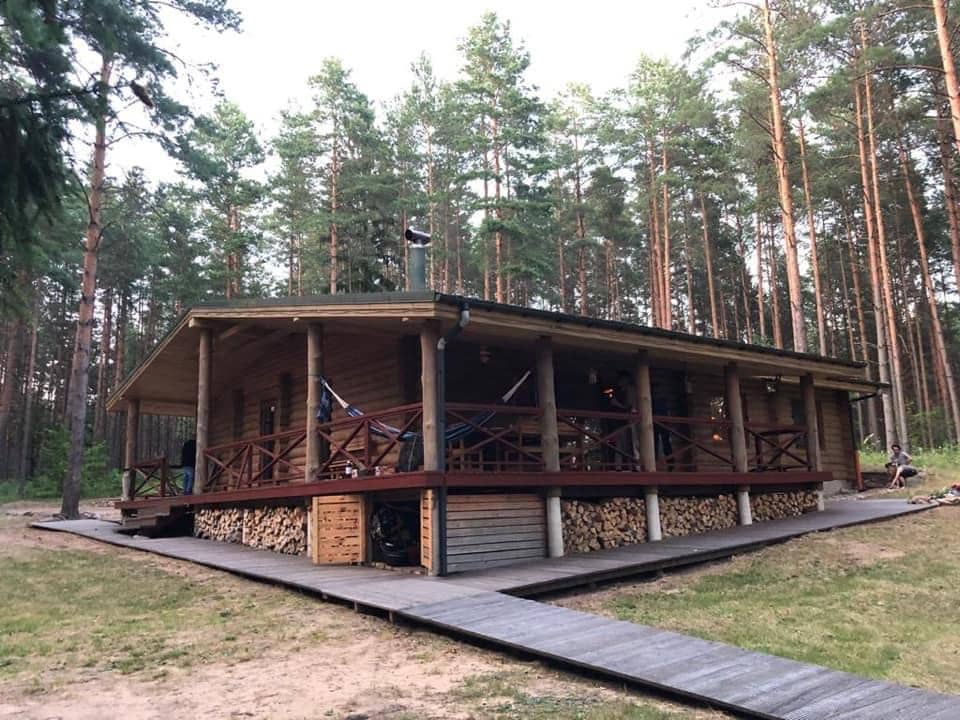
<point x="368" y="371"/>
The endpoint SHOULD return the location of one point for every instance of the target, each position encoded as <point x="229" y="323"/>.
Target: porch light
<point x="771" y="385"/>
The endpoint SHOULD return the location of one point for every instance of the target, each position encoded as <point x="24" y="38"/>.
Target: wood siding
<point x="426" y="532"/>
<point x="495" y="529"/>
<point x="367" y="371"/>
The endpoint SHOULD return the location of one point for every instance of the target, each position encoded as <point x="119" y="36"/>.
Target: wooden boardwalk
<point x="476" y="605"/>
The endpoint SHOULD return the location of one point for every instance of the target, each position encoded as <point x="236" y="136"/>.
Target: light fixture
<point x="771" y="385"/>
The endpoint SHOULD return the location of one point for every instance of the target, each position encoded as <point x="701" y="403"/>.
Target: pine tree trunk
<point x="783" y="184"/>
<point x="103" y="388"/>
<point x="924" y="385"/>
<point x="744" y="283"/>
<point x="887" y="310"/>
<point x="334" y="176"/>
<point x="883" y="365"/>
<point x="814" y="262"/>
<point x="936" y="330"/>
<point x="561" y="261"/>
<point x="498" y="212"/>
<point x="11" y="363"/>
<point x="26" y="438"/>
<point x="581" y="238"/>
<point x="654" y="255"/>
<point x="666" y="304"/>
<point x="688" y="272"/>
<point x="80" y="370"/>
<point x="708" y="259"/>
<point x="949" y="190"/>
<point x="761" y="311"/>
<point x="774" y="291"/>
<point x="944" y="35"/>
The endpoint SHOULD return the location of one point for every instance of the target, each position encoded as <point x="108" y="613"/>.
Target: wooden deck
<point x="477" y="605"/>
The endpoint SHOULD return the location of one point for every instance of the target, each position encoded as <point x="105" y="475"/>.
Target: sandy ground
<point x="369" y="669"/>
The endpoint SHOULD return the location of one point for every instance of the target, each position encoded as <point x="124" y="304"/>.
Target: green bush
<point x="96" y="479"/>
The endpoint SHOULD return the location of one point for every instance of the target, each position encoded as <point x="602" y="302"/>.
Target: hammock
<point x="455" y="431"/>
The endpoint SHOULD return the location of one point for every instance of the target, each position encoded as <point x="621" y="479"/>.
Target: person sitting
<point x="899" y="467"/>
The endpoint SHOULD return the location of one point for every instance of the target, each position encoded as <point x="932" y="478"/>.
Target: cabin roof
<point x="166" y="378"/>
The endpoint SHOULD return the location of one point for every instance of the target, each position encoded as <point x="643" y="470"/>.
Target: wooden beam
<point x="808" y="392"/>
<point x="130" y="447"/>
<point x="612" y="481"/>
<point x="314" y="392"/>
<point x="644" y="400"/>
<point x="204" y="372"/>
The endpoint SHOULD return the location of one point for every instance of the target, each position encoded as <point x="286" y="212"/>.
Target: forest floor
<point x="878" y="600"/>
<point x="89" y="630"/>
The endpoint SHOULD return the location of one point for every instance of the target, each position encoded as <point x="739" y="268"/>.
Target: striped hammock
<point x="453" y="432"/>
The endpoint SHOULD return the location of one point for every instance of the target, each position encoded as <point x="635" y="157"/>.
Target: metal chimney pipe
<point x="417" y="269"/>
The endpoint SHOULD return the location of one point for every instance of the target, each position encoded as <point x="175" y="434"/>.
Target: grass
<point x="512" y="694"/>
<point x="99" y="611"/>
<point x="875" y="600"/>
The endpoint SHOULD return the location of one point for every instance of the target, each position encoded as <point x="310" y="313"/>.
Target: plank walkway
<point x="476" y="605"/>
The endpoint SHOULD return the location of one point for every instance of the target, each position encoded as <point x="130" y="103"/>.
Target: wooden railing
<point x="494" y="438"/>
<point x="152" y="478"/>
<point x="255" y="462"/>
<point x="777" y="447"/>
<point x="609" y="441"/>
<point x="379" y="442"/>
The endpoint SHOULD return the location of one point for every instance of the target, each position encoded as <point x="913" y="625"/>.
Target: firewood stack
<point x="222" y="525"/>
<point x="777" y="505"/>
<point x="689" y="515"/>
<point x="596" y="524"/>
<point x="281" y="529"/>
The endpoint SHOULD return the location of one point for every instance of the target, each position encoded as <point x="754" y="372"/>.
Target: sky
<point x="264" y="68"/>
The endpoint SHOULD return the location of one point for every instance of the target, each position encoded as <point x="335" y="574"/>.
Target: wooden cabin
<point x="425" y="429"/>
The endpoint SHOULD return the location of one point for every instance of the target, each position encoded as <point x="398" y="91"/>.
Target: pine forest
<point x="791" y="182"/>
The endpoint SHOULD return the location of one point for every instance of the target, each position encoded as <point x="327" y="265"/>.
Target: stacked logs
<point x="222" y="525"/>
<point x="777" y="505"/>
<point x="596" y="524"/>
<point x="280" y="529"/>
<point x="689" y="515"/>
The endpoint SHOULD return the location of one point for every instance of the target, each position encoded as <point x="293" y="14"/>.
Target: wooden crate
<point x="339" y="530"/>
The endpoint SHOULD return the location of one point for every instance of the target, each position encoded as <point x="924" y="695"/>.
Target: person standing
<point x="188" y="462"/>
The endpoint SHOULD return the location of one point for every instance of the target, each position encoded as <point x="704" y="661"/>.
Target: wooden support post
<point x="130" y="448"/>
<point x="809" y="393"/>
<point x="203" y="409"/>
<point x="314" y="392"/>
<point x="549" y="442"/>
<point x="651" y="500"/>
<point x="743" y="505"/>
<point x="546" y="392"/>
<point x="738" y="439"/>
<point x="644" y="400"/>
<point x="554" y="523"/>
<point x="429" y="336"/>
